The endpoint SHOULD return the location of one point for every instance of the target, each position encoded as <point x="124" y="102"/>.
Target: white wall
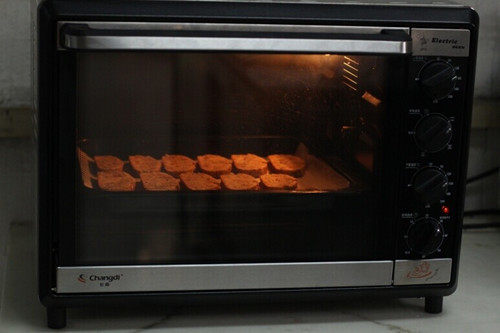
<point x="483" y="156"/>
<point x="15" y="78"/>
<point x="15" y="51"/>
<point x="488" y="62"/>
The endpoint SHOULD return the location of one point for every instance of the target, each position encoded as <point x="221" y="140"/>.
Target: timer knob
<point x="430" y="184"/>
<point x="425" y="236"/>
<point x="433" y="132"/>
<point x="437" y="79"/>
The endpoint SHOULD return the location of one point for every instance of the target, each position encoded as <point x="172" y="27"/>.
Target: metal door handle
<point x="220" y="37"/>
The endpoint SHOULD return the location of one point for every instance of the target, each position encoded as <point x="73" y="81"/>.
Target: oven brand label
<point x="440" y="42"/>
<point x="444" y="41"/>
<point x="103" y="280"/>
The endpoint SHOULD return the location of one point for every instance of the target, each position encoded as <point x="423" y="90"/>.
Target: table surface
<point x="473" y="308"/>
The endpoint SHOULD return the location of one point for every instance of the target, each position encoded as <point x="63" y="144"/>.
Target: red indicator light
<point x="445" y="209"/>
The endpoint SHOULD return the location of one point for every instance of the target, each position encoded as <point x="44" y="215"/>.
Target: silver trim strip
<point x="232" y="43"/>
<point x="92" y="279"/>
<point x="425" y="271"/>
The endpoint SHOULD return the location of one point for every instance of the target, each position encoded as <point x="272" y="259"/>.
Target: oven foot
<point x="56" y="317"/>
<point x="434" y="304"/>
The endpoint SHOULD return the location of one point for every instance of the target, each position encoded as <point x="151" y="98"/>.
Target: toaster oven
<point x="197" y="151"/>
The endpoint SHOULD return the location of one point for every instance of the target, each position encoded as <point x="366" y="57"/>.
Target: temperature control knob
<point x="425" y="236"/>
<point x="437" y="79"/>
<point x="430" y="184"/>
<point x="433" y="133"/>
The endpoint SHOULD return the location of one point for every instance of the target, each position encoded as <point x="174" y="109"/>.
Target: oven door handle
<point x="84" y="37"/>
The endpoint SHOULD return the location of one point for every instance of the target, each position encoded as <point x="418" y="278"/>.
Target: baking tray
<point x="318" y="176"/>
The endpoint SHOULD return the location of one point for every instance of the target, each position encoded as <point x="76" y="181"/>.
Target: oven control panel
<point x="437" y="79"/>
<point x="427" y="219"/>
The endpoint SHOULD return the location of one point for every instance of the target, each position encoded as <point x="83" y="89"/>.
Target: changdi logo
<point x="82" y="278"/>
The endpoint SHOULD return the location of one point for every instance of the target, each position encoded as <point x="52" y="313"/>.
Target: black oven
<point x="208" y="151"/>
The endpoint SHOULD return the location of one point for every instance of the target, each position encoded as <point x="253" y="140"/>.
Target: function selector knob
<point x="430" y="185"/>
<point x="433" y="133"/>
<point x="437" y="79"/>
<point x="425" y="236"/>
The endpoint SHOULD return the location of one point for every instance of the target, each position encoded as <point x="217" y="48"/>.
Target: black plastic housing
<point x="52" y="201"/>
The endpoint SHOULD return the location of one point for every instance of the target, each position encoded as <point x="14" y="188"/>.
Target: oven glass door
<point x="231" y="156"/>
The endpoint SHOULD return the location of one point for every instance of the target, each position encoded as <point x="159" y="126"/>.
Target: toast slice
<point x="250" y="164"/>
<point x="142" y="163"/>
<point x="215" y="165"/>
<point x="115" y="181"/>
<point x="199" y="182"/>
<point x="288" y="164"/>
<point x="278" y="181"/>
<point x="108" y="163"/>
<point x="177" y="164"/>
<point x="240" y="182"/>
<point x="159" y="181"/>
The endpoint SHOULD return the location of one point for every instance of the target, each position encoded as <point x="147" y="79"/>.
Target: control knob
<point x="425" y="236"/>
<point x="430" y="184"/>
<point x="437" y="79"/>
<point x="433" y="133"/>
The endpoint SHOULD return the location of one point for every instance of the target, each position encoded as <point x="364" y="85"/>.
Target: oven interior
<point x="327" y="109"/>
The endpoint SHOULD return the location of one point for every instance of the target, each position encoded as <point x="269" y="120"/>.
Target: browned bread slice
<point x="142" y="163"/>
<point x="289" y="164"/>
<point x="215" y="165"/>
<point x="250" y="164"/>
<point x="108" y="163"/>
<point x="199" y="182"/>
<point x="115" y="181"/>
<point x="177" y="164"/>
<point x="240" y="182"/>
<point x="277" y="181"/>
<point x="159" y="181"/>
